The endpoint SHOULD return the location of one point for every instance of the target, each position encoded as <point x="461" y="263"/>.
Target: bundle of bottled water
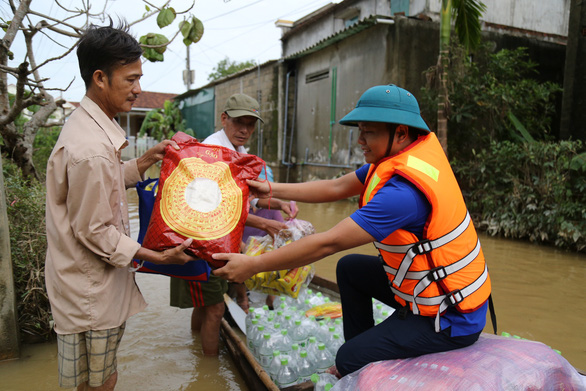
<point x="292" y="346"/>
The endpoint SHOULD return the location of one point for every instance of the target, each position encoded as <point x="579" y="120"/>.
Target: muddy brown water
<point x="538" y="293"/>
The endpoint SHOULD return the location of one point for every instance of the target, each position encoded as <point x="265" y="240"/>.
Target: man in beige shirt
<point x="91" y="290"/>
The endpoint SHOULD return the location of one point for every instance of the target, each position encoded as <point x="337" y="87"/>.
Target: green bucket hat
<point x="390" y="104"/>
<point x="239" y="105"/>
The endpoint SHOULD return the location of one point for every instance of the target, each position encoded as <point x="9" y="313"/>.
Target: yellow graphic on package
<point x="201" y="200"/>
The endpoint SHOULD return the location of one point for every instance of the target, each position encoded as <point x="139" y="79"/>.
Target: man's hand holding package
<point x="239" y="268"/>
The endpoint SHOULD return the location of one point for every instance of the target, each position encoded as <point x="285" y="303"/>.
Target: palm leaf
<point x="467" y="22"/>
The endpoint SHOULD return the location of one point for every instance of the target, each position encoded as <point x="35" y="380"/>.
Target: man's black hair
<point x="105" y="48"/>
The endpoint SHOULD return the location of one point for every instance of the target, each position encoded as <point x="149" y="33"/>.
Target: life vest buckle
<point x="438" y="273"/>
<point x="422" y="247"/>
<point x="454" y="297"/>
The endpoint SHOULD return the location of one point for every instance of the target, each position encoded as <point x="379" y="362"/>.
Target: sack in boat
<point x="492" y="363"/>
<point x="288" y="281"/>
<point x="197" y="270"/>
<point x="202" y="195"/>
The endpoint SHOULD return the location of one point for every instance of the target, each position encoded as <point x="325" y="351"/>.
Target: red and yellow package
<point x="288" y="282"/>
<point x="202" y="195"/>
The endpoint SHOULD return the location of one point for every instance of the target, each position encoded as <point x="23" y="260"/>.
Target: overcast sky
<point x="238" y="29"/>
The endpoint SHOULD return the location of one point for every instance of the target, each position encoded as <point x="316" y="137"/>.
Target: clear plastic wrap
<point x="288" y="282"/>
<point x="492" y="363"/>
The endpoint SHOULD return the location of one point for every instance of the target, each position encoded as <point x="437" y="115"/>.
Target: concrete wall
<point x="381" y="54"/>
<point x="544" y="16"/>
<point x="331" y="22"/>
<point x="262" y="84"/>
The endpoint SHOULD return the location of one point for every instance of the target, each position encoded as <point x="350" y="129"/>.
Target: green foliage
<point x="534" y="191"/>
<point x="163" y="123"/>
<point x="226" y="67"/>
<point x="192" y="32"/>
<point x="44" y="142"/>
<point x="159" y="43"/>
<point x="493" y="97"/>
<point x="467" y="15"/>
<point x="25" y="204"/>
<point x="155" y="45"/>
<point x="165" y="17"/>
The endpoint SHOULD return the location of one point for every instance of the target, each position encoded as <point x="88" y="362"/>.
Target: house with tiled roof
<point x="147" y="101"/>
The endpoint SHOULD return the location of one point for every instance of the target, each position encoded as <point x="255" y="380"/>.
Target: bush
<point x="534" y="191"/>
<point x="44" y="142"/>
<point x="28" y="243"/>
<point x="485" y="92"/>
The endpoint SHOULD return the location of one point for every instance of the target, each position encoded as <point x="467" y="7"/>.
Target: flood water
<point x="538" y="293"/>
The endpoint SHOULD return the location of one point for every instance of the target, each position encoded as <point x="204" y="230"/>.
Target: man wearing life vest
<point x="431" y="268"/>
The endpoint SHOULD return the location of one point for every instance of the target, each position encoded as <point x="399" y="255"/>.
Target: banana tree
<point x="466" y="14"/>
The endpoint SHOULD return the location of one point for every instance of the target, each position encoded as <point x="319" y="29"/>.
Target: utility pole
<point x="188" y="74"/>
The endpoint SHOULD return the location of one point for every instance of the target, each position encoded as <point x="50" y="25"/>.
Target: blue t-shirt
<point x="400" y="205"/>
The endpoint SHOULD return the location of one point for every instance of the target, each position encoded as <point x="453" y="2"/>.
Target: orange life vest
<point x="446" y="268"/>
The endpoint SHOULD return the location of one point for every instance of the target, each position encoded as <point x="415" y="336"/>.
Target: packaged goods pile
<point x="288" y="282"/>
<point x="300" y="337"/>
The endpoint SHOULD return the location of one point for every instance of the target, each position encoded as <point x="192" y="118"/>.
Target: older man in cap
<point x="239" y="119"/>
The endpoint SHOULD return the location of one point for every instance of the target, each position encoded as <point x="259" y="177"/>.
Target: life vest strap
<point x="457" y="296"/>
<point x="419" y="248"/>
<point x="442" y="272"/>
<point x="445" y="301"/>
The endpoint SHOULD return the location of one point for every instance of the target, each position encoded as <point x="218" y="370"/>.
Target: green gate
<point x="198" y="112"/>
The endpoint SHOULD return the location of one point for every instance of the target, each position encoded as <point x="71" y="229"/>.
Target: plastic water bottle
<point x="322" y="331"/>
<point x="378" y="310"/>
<point x="287" y="375"/>
<point x="275" y="365"/>
<point x="257" y="341"/>
<point x="284" y="342"/>
<point x="299" y="334"/>
<point x="334" y="346"/>
<point x="316" y="299"/>
<point x="339" y="326"/>
<point x="251" y="331"/>
<point x="288" y="322"/>
<point x="323" y="381"/>
<point x="311" y="348"/>
<point x="310" y="324"/>
<point x="304" y="367"/>
<point x="294" y="355"/>
<point x="265" y="351"/>
<point x="248" y="320"/>
<point x="324" y="359"/>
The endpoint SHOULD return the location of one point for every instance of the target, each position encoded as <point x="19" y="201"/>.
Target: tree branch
<point x="148" y="15"/>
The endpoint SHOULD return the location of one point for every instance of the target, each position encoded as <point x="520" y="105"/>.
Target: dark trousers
<point x="361" y="278"/>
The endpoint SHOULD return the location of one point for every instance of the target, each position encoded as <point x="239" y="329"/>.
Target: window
<point x="315" y="76"/>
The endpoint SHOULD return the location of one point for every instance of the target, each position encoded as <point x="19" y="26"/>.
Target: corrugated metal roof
<point x="340" y="35"/>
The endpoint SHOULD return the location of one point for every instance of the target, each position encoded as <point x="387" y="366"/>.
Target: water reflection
<point x="537" y="290"/>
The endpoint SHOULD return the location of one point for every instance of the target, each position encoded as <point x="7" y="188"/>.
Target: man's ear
<point x="100" y="78"/>
<point x="402" y="132"/>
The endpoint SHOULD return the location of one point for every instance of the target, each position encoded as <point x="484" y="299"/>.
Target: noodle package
<point x="288" y="282"/>
<point x="202" y="195"/>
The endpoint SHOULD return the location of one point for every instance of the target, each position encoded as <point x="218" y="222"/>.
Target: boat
<point x="255" y="377"/>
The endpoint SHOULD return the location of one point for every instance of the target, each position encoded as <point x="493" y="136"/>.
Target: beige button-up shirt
<point x="89" y="249"/>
